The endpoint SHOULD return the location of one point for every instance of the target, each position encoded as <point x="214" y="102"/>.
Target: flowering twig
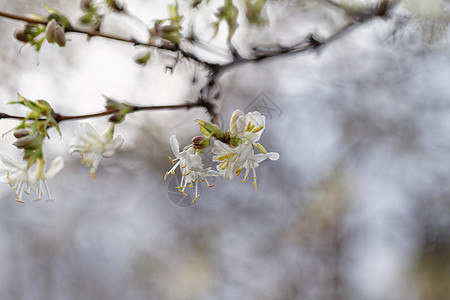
<point x="59" y="117"/>
<point x="164" y="46"/>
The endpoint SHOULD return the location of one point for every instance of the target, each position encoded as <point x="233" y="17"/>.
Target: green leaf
<point x="143" y="59"/>
<point x="228" y="13"/>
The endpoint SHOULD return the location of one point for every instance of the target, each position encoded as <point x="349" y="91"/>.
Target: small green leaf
<point x="143" y="59"/>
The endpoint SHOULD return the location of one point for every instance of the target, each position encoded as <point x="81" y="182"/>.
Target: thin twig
<point x="163" y="46"/>
<point x="59" y="117"/>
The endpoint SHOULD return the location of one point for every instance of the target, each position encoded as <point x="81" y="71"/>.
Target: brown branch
<point x="59" y="117"/>
<point x="163" y="46"/>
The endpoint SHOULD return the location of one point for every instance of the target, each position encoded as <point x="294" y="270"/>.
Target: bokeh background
<point x="357" y="206"/>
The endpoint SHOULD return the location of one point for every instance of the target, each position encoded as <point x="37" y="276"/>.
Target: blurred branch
<point x="312" y="42"/>
<point x="164" y="46"/>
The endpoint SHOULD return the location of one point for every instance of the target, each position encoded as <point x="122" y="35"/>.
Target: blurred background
<point x="357" y="206"/>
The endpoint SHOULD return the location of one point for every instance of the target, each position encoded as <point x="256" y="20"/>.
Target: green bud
<point x="87" y="19"/>
<point x="142" y="60"/>
<point x="210" y="130"/>
<point x="116" y="118"/>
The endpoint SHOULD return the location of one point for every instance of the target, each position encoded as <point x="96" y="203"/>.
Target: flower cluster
<point x="30" y="176"/>
<point x="27" y="177"/>
<point x="234" y="150"/>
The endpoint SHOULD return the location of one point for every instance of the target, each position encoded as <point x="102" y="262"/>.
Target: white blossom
<point x="191" y="166"/>
<point x="23" y="179"/>
<point x="247" y="127"/>
<point x="93" y="145"/>
<point x="233" y="159"/>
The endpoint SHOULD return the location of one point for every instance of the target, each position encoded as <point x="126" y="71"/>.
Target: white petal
<point x="221" y="146"/>
<point x="256" y="118"/>
<point x="10" y="162"/>
<point x="174" y="145"/>
<point x="112" y="146"/>
<point x="56" y="165"/>
<point x="234" y="117"/>
<point x="4" y="179"/>
<point x="90" y="130"/>
<point x="261" y="157"/>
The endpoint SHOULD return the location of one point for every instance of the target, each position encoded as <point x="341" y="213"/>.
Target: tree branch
<point x="59" y="117"/>
<point x="164" y="46"/>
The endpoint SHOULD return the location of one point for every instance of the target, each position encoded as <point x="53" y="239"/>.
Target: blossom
<point x="23" y="179"/>
<point x="234" y="159"/>
<point x="17" y="176"/>
<point x="191" y="166"/>
<point x="38" y="183"/>
<point x="247" y="127"/>
<point x="93" y="145"/>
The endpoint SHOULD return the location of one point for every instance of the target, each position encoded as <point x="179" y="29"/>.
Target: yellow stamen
<point x="92" y="174"/>
<point x="181" y="191"/>
<point x="249" y="126"/>
<point x="238" y="171"/>
<point x="261" y="148"/>
<point x="180" y="187"/>
<point x="165" y="176"/>
<point x="227" y="156"/>
<point x="187" y="173"/>
<point x="171" y="160"/>
<point x="202" y="180"/>
<point x="224" y="164"/>
<point x="195" y="198"/>
<point x="210" y="185"/>
<point x="254" y="184"/>
<point x="190" y="185"/>
<point x="193" y="181"/>
<point x="183" y="166"/>
<point x="259" y="128"/>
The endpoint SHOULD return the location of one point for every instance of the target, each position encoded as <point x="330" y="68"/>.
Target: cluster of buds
<point x="171" y="31"/>
<point x="54" y="33"/>
<point x="233" y="149"/>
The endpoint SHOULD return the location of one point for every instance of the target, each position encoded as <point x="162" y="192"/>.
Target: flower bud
<point x="20" y="133"/>
<point x="200" y="142"/>
<point x="209" y="129"/>
<point x="50" y="31"/>
<point x="29" y="142"/>
<point x="85" y="5"/>
<point x="116" y="118"/>
<point x="60" y="36"/>
<point x="21" y="36"/>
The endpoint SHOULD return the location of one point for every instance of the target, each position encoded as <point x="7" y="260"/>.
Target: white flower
<point x="191" y="166"/>
<point x="23" y="179"/>
<point x="247" y="127"/>
<point x="17" y="176"/>
<point x="93" y="145"/>
<point x="38" y="177"/>
<point x="234" y="159"/>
